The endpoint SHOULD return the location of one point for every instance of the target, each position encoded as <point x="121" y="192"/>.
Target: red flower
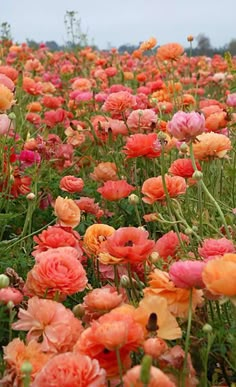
<point x="142" y="145"/>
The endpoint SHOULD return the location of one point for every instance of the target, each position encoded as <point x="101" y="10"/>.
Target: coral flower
<point x="115" y="190"/>
<point x="89" y="206"/>
<point x="50" y="323"/>
<point x="154" y="191"/>
<point x="56" y="236"/>
<point x="185" y="126"/>
<point x="169" y="245"/>
<point x="6" y="98"/>
<point x="130" y="244"/>
<point x="104" y="172"/>
<point x="215" y="247"/>
<point x="216" y="121"/>
<point x="187" y="274"/>
<point x="102" y="299"/>
<point x="57" y="271"/>
<point x="71" y="184"/>
<point x="15" y="354"/>
<point x="10" y="294"/>
<point x="177" y="298"/>
<point x="95" y="235"/>
<point x="219" y="275"/>
<point x="211" y="145"/>
<point x="10" y="72"/>
<point x="139" y="144"/>
<point x="154" y="346"/>
<point x="5" y="81"/>
<point x="71" y="370"/>
<point x="170" y="51"/>
<point x="183" y="168"/>
<point x="119" y="102"/>
<point x="142" y="119"/>
<point x="67" y="212"/>
<point x="148" y="44"/>
<point x="168" y="328"/>
<point x="157" y="378"/>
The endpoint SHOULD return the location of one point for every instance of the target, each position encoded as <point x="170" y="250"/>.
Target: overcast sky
<point x="122" y="21"/>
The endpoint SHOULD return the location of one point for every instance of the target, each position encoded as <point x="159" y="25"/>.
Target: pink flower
<point x="71" y="370"/>
<point x="187" y="274"/>
<point x="142" y="118"/>
<point x="28" y="158"/>
<point x="71" y="184"/>
<point x="215" y="247"/>
<point x="185" y="126"/>
<point x="6" y="81"/>
<point x="50" y="323"/>
<point x="10" y="294"/>
<point x="119" y="102"/>
<point x="157" y="378"/>
<point x="231" y="100"/>
<point x="5" y="124"/>
<point x="169" y="245"/>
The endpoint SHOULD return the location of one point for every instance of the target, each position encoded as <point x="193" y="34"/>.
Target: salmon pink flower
<point x="154" y="346"/>
<point x="211" y="145"/>
<point x="169" y="245"/>
<point x="67" y="212"/>
<point x="6" y="81"/>
<point x="142" y="145"/>
<point x="231" y="100"/>
<point x="57" y="271"/>
<point x="119" y="102"/>
<point x="130" y="244"/>
<point x="186" y="126"/>
<point x="215" y="247"/>
<point x="50" y="323"/>
<point x="115" y="190"/>
<point x="10" y="294"/>
<point x="154" y="191"/>
<point x="183" y="168"/>
<point x="170" y="51"/>
<point x="187" y="274"/>
<point x="102" y="299"/>
<point x="157" y="378"/>
<point x="71" y="370"/>
<point x="71" y="184"/>
<point x="142" y="119"/>
<point x="89" y="206"/>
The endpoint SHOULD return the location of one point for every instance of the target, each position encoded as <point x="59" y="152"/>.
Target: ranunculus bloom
<point x="56" y="236"/>
<point x="177" y="298"/>
<point x="9" y="71"/>
<point x="187" y="274"/>
<point x="95" y="235"/>
<point x="6" y="98"/>
<point x="140" y="144"/>
<point x="115" y="190"/>
<point x="119" y="102"/>
<point x="211" y="145"/>
<point x="216" y="121"/>
<point x="157" y="378"/>
<point x="142" y="119"/>
<point x="170" y="51"/>
<point x="10" y="294"/>
<point x="71" y="184"/>
<point x="102" y="299"/>
<point x="154" y="191"/>
<point x="231" y="100"/>
<point x="89" y="206"/>
<point x="50" y="323"/>
<point x="15" y="354"/>
<point x="148" y="44"/>
<point x="29" y="158"/>
<point x="185" y="126"/>
<point x="219" y="275"/>
<point x="6" y="81"/>
<point x="5" y="124"/>
<point x="154" y="346"/>
<point x="104" y="172"/>
<point x="169" y="245"/>
<point x="183" y="168"/>
<point x="215" y="247"/>
<point x="168" y="327"/>
<point x="67" y="212"/>
<point x="71" y="370"/>
<point x="130" y="244"/>
<point x="56" y="271"/>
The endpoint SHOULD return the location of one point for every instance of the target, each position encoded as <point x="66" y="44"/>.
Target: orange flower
<point x="170" y="51"/>
<point x="82" y="84"/>
<point x="102" y="299"/>
<point x="10" y="72"/>
<point x="71" y="370"/>
<point x="6" y="98"/>
<point x="168" y="327"/>
<point x="34" y="107"/>
<point x="71" y="184"/>
<point x="216" y="121"/>
<point x="50" y="323"/>
<point x="177" y="298"/>
<point x="15" y="354"/>
<point x="95" y="235"/>
<point x="130" y="244"/>
<point x="210" y="145"/>
<point x="219" y="275"/>
<point x="148" y="44"/>
<point x="157" y="378"/>
<point x="115" y="190"/>
<point x="57" y="271"/>
<point x="119" y="102"/>
<point x="104" y="172"/>
<point x="31" y="87"/>
<point x="67" y="212"/>
<point x="154" y="191"/>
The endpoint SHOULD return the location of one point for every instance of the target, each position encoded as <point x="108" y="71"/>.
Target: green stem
<point x="120" y="368"/>
<point x="187" y="339"/>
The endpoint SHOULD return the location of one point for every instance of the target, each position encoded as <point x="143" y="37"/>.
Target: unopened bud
<point x="197" y="175"/>
<point x="207" y="328"/>
<point x="154" y="257"/>
<point x="10" y="305"/>
<point x="190" y="38"/>
<point x="188" y="231"/>
<point x="4" y="281"/>
<point x="125" y="282"/>
<point x="133" y="199"/>
<point x="26" y="367"/>
<point x="30" y="196"/>
<point x="161" y="136"/>
<point x="78" y="311"/>
<point x="183" y="147"/>
<point x="12" y="116"/>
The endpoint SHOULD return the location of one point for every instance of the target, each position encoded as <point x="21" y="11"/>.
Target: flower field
<point x="117" y="217"/>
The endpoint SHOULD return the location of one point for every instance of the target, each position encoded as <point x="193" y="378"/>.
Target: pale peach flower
<point x="211" y="145"/>
<point x="157" y="378"/>
<point x="67" y="212"/>
<point x="104" y="172"/>
<point x="95" y="235"/>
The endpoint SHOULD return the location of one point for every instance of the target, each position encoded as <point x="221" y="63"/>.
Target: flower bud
<point x="12" y="116"/>
<point x="188" y="231"/>
<point x="190" y="38"/>
<point x="10" y="305"/>
<point x="154" y="257"/>
<point x="197" y="175"/>
<point x="133" y="199"/>
<point x="78" y="311"/>
<point x="207" y="328"/>
<point x="161" y="136"/>
<point x="125" y="282"/>
<point x="26" y="367"/>
<point x="183" y="147"/>
<point x="4" y="281"/>
<point x="30" y="196"/>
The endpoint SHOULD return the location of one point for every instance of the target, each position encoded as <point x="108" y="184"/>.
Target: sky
<point x="110" y="23"/>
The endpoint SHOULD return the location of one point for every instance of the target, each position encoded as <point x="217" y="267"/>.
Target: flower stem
<point x="187" y="339"/>
<point x="118" y="358"/>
